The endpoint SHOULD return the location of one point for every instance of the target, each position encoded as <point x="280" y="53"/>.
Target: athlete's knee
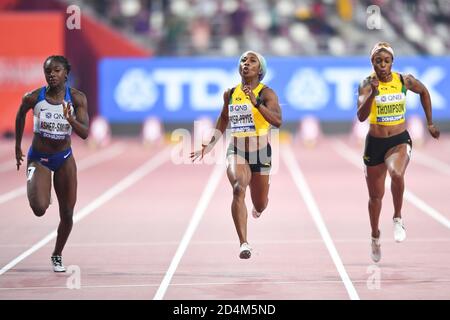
<point x="376" y="197"/>
<point x="397" y="176"/>
<point x="260" y="206"/>
<point x="39" y="209"/>
<point x="238" y="189"/>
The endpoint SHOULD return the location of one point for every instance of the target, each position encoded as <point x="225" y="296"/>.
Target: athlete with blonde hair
<point x="382" y="99"/>
<point x="251" y="108"/>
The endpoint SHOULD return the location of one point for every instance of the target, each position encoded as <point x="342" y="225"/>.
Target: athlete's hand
<point x="434" y="131"/>
<point x="199" y="154"/>
<point x="19" y="157"/>
<point x="68" y="110"/>
<point x="249" y="93"/>
<point x="374" y="83"/>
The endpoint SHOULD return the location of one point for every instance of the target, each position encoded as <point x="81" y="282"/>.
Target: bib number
<point x="241" y="118"/>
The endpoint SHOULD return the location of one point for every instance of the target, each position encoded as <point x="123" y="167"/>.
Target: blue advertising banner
<point x="184" y="89"/>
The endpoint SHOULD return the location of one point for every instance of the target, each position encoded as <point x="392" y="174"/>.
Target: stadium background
<point x="172" y="59"/>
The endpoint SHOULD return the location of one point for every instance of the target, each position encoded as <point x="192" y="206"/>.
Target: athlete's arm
<point x="367" y="91"/>
<point x="28" y="101"/>
<point x="270" y="108"/>
<point x="418" y="87"/>
<point x="80" y="124"/>
<point x="221" y="126"/>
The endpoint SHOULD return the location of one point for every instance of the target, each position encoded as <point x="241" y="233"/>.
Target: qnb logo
<point x="390" y="97"/>
<point x="238" y="107"/>
<point x="48" y="115"/>
<point x="135" y="91"/>
<point x="58" y="116"/>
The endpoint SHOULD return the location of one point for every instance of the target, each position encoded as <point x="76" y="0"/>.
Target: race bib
<point x="390" y="107"/>
<point x="53" y="125"/>
<point x="241" y="118"/>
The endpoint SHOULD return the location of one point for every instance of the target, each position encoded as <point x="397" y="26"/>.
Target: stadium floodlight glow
<point x="100" y="132"/>
<point x="152" y="131"/>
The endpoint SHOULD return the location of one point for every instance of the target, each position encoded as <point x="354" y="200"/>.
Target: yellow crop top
<point x="245" y="118"/>
<point x="389" y="106"/>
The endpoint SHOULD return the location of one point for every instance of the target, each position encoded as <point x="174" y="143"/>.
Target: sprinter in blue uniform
<point x="57" y="110"/>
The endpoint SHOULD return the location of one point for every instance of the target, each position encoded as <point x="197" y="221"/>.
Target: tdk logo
<point x="139" y="89"/>
<point x="183" y="89"/>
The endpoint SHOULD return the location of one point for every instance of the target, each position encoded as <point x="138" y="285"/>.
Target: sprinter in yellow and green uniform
<point x="251" y="108"/>
<point x="389" y="106"/>
<point x="382" y="99"/>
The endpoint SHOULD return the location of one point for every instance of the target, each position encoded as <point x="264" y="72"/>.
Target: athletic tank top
<point x="49" y="120"/>
<point x="389" y="106"/>
<point x="245" y="118"/>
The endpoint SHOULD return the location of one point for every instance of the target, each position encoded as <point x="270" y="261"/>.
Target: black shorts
<point x="259" y="161"/>
<point x="376" y="148"/>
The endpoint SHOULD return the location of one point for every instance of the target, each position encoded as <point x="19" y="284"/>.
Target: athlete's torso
<point x="249" y="129"/>
<point x="388" y="109"/>
<point x="51" y="129"/>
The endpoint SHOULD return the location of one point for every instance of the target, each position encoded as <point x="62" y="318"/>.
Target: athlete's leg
<point x="375" y="178"/>
<point x="396" y="160"/>
<point x="239" y="175"/>
<point x="259" y="190"/>
<point x="39" y="185"/>
<point x="65" y="182"/>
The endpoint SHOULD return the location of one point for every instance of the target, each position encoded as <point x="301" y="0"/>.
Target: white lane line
<point x="302" y="185"/>
<point x="98" y="157"/>
<point x="116" y="189"/>
<point x="430" y="162"/>
<point x="193" y="284"/>
<point x="349" y="154"/>
<point x="202" y="205"/>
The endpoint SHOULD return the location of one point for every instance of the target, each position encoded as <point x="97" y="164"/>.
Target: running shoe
<point x="399" y="230"/>
<point x="376" y="249"/>
<point x="245" y="251"/>
<point x="57" y="264"/>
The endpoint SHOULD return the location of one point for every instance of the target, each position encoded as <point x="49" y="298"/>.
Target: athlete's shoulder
<point x="31" y="97"/>
<point x="266" y="90"/>
<point x="407" y="76"/>
<point x="229" y="92"/>
<point x="366" y="81"/>
<point x="78" y="96"/>
<point x="77" y="93"/>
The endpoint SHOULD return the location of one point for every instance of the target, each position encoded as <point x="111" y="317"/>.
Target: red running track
<point x="148" y="228"/>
